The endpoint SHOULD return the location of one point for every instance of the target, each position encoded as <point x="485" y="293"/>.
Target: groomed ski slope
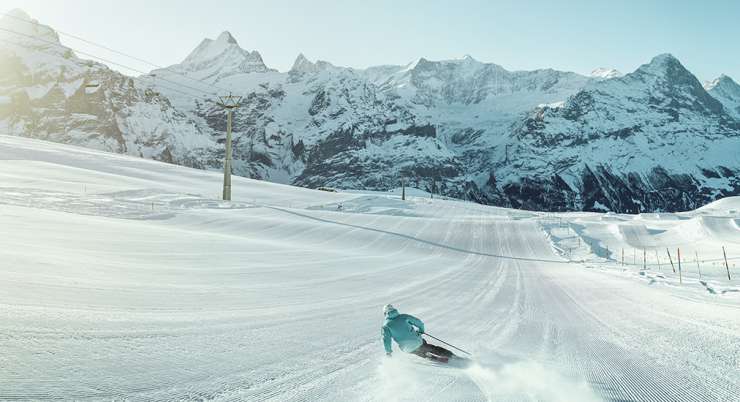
<point x="123" y="278"/>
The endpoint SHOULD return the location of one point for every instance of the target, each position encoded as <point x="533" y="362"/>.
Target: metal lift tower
<point x="229" y="103"/>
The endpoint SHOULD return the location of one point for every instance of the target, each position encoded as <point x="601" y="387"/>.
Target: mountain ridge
<point x="540" y="139"/>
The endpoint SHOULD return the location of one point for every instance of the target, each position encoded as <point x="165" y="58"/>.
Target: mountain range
<point x="655" y="139"/>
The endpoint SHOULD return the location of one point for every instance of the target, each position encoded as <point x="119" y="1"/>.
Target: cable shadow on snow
<point x="416" y="239"/>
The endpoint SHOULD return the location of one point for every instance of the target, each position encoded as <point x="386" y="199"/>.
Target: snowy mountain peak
<point x="605" y="73"/>
<point x="661" y="63"/>
<point x="447" y="68"/>
<point x="721" y="81"/>
<point x="19" y="21"/>
<point x="666" y="74"/>
<point x="664" y="58"/>
<point x="209" y="48"/>
<point x="727" y="91"/>
<point x="414" y="63"/>
<point x="300" y="59"/>
<point x="421" y="62"/>
<point x="303" y="65"/>
<point x="220" y="58"/>
<point x="663" y="81"/>
<point x="18" y="13"/>
<point x="227" y="38"/>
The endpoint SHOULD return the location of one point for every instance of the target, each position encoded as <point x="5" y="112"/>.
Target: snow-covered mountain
<point x="466" y="128"/>
<point x="651" y="140"/>
<point x="727" y="91"/>
<point x="214" y="60"/>
<point x="52" y="94"/>
<point x="605" y="73"/>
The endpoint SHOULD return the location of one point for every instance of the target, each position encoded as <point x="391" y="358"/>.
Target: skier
<point x="406" y="330"/>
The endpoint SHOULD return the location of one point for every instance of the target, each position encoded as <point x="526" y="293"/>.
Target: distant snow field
<point x="124" y="278"/>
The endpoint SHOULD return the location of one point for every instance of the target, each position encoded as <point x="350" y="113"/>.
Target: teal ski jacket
<point x="405" y="329"/>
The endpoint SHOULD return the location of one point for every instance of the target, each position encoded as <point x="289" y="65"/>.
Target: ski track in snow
<point x="126" y="279"/>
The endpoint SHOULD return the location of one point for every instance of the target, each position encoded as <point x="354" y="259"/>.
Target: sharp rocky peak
<point x="664" y="58"/>
<point x="210" y="49"/>
<point x="303" y="65"/>
<point x="663" y="64"/>
<point x="226" y="37"/>
<point x="666" y="71"/>
<point x="223" y="57"/>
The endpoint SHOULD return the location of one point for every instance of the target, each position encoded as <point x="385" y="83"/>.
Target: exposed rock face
<point x="654" y="139"/>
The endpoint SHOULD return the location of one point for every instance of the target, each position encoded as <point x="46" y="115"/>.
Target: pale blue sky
<point x="567" y="35"/>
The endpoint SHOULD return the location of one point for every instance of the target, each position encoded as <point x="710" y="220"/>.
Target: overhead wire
<point x="107" y="61"/>
<point x="107" y="48"/>
<point x="159" y="85"/>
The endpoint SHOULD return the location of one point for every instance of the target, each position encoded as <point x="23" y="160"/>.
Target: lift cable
<point x="104" y="60"/>
<point x="89" y="42"/>
<point x="120" y="65"/>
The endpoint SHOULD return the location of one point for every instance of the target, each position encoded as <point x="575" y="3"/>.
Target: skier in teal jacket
<point x="406" y="330"/>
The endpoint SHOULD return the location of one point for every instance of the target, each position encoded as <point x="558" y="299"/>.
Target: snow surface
<point x="124" y="278"/>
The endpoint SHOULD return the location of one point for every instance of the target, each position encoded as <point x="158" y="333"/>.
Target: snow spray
<point x="531" y="379"/>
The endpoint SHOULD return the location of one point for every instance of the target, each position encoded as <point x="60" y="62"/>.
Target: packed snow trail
<point x="124" y="278"/>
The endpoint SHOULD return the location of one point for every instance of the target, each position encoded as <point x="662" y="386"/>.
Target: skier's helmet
<point x="387" y="308"/>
